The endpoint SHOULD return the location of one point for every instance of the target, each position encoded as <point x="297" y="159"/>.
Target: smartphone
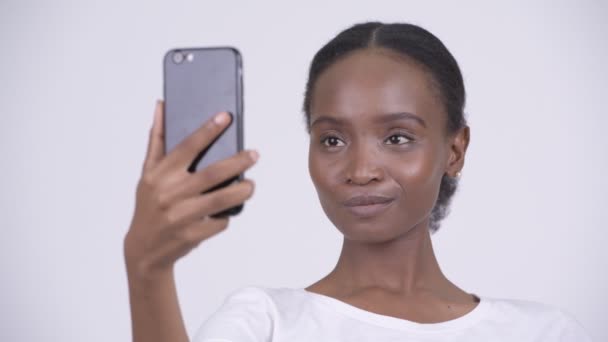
<point x="199" y="83"/>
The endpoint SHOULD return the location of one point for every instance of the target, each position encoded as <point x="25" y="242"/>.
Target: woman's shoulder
<point x="266" y="293"/>
<point x="246" y="314"/>
<point x="525" y="308"/>
<point x="273" y="298"/>
<point x="542" y="317"/>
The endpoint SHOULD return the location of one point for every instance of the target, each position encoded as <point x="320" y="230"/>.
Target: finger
<point x="185" y="152"/>
<point x="211" y="176"/>
<point x="184" y="239"/>
<point x="156" y="142"/>
<point x="192" y="209"/>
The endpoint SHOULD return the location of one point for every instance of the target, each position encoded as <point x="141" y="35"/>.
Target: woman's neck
<point x="403" y="266"/>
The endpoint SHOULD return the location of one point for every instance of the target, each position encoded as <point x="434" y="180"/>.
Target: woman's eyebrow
<point x="382" y="118"/>
<point x="327" y="119"/>
<point x="401" y="116"/>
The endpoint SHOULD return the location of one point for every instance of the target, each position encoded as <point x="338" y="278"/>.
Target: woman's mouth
<point x="364" y="206"/>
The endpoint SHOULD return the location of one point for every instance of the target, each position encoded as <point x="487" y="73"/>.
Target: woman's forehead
<point x="374" y="81"/>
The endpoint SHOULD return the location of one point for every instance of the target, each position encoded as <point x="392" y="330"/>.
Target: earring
<point x="458" y="175"/>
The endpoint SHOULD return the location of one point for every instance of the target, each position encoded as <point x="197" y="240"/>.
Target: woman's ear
<point x="458" y="144"/>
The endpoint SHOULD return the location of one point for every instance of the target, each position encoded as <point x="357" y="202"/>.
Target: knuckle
<point x="147" y="180"/>
<point x="192" y="144"/>
<point x="236" y="193"/>
<point x="162" y="200"/>
<point x="171" y="218"/>
<point x="188" y="236"/>
<point x="219" y="200"/>
<point x="209" y="175"/>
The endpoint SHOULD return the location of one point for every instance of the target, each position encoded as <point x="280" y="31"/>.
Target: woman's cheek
<point x="419" y="179"/>
<point x="320" y="170"/>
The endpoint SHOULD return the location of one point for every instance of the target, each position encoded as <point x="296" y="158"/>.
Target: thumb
<point x="156" y="142"/>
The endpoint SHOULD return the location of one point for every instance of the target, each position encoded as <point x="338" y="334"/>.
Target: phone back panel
<point x="197" y="89"/>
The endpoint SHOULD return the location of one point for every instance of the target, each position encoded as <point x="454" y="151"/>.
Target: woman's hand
<point x="171" y="215"/>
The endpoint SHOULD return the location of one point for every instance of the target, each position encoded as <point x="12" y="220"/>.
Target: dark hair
<point x="423" y="47"/>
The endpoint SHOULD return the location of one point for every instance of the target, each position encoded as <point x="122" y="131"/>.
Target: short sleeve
<point x="572" y="330"/>
<point x="245" y="316"/>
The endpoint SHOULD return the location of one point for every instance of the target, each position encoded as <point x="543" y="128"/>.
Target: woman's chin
<point x="369" y="231"/>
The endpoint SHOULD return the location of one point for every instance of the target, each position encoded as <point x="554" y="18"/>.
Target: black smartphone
<point x="199" y="83"/>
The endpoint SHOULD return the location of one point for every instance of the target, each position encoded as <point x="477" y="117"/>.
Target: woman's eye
<point x="397" y="139"/>
<point x="332" y="142"/>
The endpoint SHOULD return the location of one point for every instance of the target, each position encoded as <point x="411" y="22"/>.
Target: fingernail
<point x="254" y="155"/>
<point x="221" y="118"/>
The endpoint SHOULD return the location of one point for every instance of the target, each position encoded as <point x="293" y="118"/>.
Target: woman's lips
<point x="367" y="205"/>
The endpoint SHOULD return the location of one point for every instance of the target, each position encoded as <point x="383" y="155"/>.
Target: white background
<point x="78" y="85"/>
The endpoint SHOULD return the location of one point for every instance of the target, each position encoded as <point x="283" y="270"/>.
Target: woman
<point x="384" y="108"/>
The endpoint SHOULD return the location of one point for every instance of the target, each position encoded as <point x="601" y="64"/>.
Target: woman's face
<point x="379" y="145"/>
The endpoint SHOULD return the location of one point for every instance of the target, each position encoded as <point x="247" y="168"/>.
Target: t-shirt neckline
<point x="465" y="321"/>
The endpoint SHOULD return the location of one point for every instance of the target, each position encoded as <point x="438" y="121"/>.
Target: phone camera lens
<point x="178" y="57"/>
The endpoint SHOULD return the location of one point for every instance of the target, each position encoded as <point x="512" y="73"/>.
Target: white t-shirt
<point x="294" y="315"/>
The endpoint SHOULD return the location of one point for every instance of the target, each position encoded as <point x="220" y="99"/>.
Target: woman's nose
<point x="363" y="166"/>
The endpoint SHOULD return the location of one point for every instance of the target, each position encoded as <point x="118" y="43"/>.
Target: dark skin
<point x="364" y="146"/>
<point x="379" y="128"/>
